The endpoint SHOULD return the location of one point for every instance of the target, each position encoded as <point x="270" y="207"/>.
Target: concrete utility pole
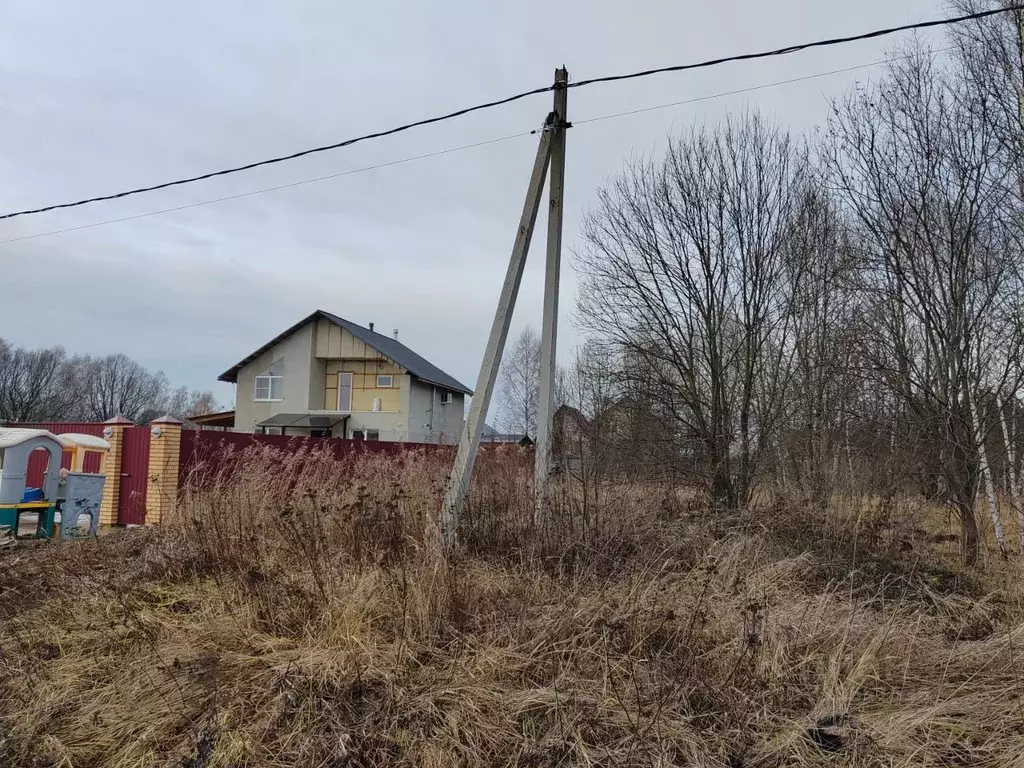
<point x="549" y="325"/>
<point x="551" y="150"/>
<point x="469" y="444"/>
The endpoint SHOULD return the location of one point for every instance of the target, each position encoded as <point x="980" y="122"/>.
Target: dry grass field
<point x="300" y="614"/>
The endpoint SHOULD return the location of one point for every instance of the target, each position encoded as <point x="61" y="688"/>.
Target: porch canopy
<point x="302" y="421"/>
<point x="223" y="419"/>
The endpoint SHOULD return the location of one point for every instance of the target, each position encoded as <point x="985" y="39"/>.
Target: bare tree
<point x="184" y="403"/>
<point x="35" y="385"/>
<point x="686" y="274"/>
<point x="519" y="388"/>
<point x="593" y="380"/>
<point x="47" y="385"/>
<point x="116" y="385"/>
<point x="589" y="387"/>
<point x="989" y="53"/>
<point x="919" y="165"/>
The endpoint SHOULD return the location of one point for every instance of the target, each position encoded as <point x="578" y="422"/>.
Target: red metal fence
<point x="204" y="454"/>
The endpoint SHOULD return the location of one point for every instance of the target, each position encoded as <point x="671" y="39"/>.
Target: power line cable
<point x="450" y="150"/>
<point x="281" y="158"/>
<point x="268" y="189"/>
<point x="801" y="46"/>
<point x="516" y="97"/>
<point x="749" y="89"/>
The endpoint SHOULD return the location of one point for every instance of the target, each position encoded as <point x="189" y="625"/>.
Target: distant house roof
<point x="489" y="434"/>
<point x="567" y="411"/>
<point x="389" y="347"/>
<point x="221" y="419"/>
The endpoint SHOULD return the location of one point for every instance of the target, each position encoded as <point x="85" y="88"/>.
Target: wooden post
<point x="469" y="444"/>
<point x="162" y="484"/>
<point x="549" y="324"/>
<point x="111" y="469"/>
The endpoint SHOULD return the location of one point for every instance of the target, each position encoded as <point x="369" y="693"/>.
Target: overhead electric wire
<point x="260" y="191"/>
<point x="749" y="89"/>
<point x="802" y="46"/>
<point x="450" y="150"/>
<point x="281" y="158"/>
<point x="516" y="97"/>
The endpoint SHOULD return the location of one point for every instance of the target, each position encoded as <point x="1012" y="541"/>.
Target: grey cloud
<point x="109" y="94"/>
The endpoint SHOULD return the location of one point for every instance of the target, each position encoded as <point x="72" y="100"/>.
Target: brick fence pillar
<point x="164" y="452"/>
<point x="113" y="433"/>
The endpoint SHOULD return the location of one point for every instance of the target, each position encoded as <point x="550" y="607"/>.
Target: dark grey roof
<point x="386" y="345"/>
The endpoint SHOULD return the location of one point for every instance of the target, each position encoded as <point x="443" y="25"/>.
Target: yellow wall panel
<point x="334" y="342"/>
<point x="364" y="367"/>
<point x="362" y="399"/>
<point x="364" y="384"/>
<point x="321" y="332"/>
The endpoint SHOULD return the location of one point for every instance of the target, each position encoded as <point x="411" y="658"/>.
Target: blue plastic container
<point x="32" y="494"/>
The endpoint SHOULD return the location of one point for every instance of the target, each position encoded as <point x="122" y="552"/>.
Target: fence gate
<point x="134" y="476"/>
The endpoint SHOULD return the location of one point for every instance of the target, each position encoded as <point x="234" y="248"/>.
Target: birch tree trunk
<point x="985" y="477"/>
<point x="1011" y="474"/>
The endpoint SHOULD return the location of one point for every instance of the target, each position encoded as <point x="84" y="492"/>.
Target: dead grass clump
<point x="893" y="549"/>
<point x="302" y="614"/>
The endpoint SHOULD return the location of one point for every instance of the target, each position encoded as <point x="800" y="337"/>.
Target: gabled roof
<point x="391" y="348"/>
<point x="566" y="411"/>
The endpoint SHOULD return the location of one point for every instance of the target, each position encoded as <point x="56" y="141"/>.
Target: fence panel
<point x="206" y="454"/>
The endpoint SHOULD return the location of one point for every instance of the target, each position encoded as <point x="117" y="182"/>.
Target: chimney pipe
<point x="371" y="327"/>
<point x="396" y="334"/>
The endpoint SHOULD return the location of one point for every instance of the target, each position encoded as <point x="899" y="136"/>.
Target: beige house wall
<point x="300" y="381"/>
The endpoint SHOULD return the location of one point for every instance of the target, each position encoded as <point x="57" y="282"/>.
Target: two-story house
<point x="328" y="377"/>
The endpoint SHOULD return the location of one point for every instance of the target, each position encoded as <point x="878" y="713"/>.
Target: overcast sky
<point x="100" y="96"/>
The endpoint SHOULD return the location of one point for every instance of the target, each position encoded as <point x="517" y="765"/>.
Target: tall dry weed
<point x="300" y="611"/>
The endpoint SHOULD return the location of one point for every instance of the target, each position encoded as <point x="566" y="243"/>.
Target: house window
<point x="272" y="430"/>
<point x="445" y="398"/>
<point x="270" y="383"/>
<point x="385" y="382"/>
<point x="344" y="391"/>
<point x="365" y="434"/>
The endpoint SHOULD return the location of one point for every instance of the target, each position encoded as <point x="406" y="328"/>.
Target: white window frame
<point x="389" y="377"/>
<point x="364" y="434"/>
<point x="270" y="379"/>
<point x="446" y="398"/>
<point x="342" y="374"/>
